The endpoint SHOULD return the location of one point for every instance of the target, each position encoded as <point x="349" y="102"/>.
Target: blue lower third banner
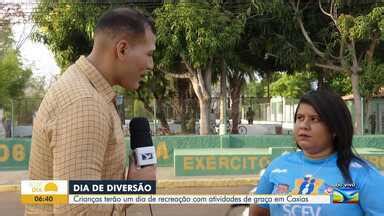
<point x="111" y="187"/>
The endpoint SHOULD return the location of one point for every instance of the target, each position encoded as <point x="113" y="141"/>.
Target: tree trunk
<point x="370" y="118"/>
<point x="204" y="102"/>
<point x="367" y="124"/>
<point x="192" y="110"/>
<point x="161" y="114"/>
<point x="201" y="80"/>
<point x="320" y="79"/>
<point x="235" y="97"/>
<point x="190" y="117"/>
<point x="204" y="117"/>
<point x="147" y="107"/>
<point x="372" y="47"/>
<point x="181" y="105"/>
<point x="223" y="100"/>
<point x="357" y="101"/>
<point x="268" y="85"/>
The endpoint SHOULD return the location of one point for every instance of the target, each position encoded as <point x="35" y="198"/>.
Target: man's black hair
<point x="124" y="20"/>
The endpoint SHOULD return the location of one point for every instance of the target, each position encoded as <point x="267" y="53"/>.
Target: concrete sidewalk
<point x="10" y="180"/>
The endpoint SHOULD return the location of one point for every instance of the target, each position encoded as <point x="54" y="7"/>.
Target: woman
<point x="323" y="131"/>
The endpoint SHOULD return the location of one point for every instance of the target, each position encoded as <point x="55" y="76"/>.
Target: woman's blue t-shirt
<point x="294" y="173"/>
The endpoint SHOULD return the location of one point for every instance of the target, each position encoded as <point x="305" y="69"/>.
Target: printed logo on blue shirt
<point x="307" y="185"/>
<point x="279" y="170"/>
<point x="281" y="189"/>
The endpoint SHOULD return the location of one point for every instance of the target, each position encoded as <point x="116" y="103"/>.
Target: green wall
<point x="14" y="153"/>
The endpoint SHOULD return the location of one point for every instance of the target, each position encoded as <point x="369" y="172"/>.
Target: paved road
<point x="11" y="206"/>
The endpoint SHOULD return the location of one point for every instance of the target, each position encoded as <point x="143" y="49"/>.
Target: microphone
<point x="141" y="142"/>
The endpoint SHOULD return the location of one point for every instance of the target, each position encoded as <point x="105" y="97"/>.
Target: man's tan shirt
<point x="77" y="135"/>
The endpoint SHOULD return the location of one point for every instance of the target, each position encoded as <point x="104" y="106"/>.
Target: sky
<point x="34" y="55"/>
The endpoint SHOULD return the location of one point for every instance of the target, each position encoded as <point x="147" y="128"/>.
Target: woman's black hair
<point x="336" y="116"/>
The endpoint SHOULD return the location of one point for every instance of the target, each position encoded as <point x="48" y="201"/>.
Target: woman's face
<point x="311" y="133"/>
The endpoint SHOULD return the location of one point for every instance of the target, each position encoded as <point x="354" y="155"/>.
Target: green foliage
<point x="340" y="83"/>
<point x="363" y="26"/>
<point x="372" y="80"/>
<point x="255" y="89"/>
<point x="292" y="86"/>
<point x="199" y="32"/>
<point x="139" y="110"/>
<point x="6" y="39"/>
<point x="66" y="28"/>
<point x="13" y="77"/>
<point x="272" y="41"/>
<point x="155" y="86"/>
<point x="36" y="87"/>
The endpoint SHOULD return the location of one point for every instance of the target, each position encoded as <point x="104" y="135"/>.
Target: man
<point x="250" y="115"/>
<point x="372" y="122"/>
<point x="77" y="132"/>
<point x="2" y="128"/>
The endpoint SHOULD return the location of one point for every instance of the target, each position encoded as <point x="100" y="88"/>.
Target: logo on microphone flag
<point x="147" y="156"/>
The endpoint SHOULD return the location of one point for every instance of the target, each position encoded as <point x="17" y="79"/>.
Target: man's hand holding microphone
<point x="142" y="161"/>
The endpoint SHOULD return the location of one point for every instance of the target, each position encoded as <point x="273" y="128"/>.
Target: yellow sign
<point x="378" y="161"/>
<point x="18" y="152"/>
<point x="225" y="162"/>
<point x="162" y="151"/>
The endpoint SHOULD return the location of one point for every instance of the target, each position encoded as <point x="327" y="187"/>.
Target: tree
<point x="9" y="12"/>
<point x="185" y="105"/>
<point x="35" y="87"/>
<point x="355" y="30"/>
<point x="231" y="68"/>
<point x="255" y="88"/>
<point x="5" y="38"/>
<point x="13" y="77"/>
<point x="156" y="86"/>
<point x="339" y="82"/>
<point x="372" y="80"/>
<point x="196" y="34"/>
<point x="274" y="44"/>
<point x="67" y="28"/>
<point x="292" y="86"/>
<point x="268" y="44"/>
<point x="237" y="81"/>
<point x="371" y="84"/>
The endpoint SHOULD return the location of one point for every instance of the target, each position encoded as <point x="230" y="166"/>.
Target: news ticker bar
<point x="141" y="192"/>
<point x="198" y="199"/>
<point x="175" y="199"/>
